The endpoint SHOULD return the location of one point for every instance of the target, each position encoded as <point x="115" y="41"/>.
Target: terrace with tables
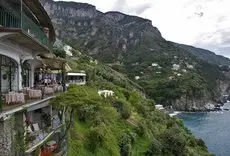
<point x="38" y="80"/>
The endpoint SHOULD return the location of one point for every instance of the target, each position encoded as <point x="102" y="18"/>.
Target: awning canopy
<point x="48" y="55"/>
<point x="76" y="74"/>
<point x="55" y="63"/>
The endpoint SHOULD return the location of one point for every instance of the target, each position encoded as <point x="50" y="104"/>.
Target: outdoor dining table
<point x="57" y="88"/>
<point x="49" y="90"/>
<point x="32" y="93"/>
<point x="14" y="98"/>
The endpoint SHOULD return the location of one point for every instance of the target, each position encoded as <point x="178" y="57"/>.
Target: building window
<point x="8" y="74"/>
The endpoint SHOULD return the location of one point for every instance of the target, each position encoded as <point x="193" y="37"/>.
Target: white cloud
<point x="203" y="23"/>
<point x="132" y="7"/>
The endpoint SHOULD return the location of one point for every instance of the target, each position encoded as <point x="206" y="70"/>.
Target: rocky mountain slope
<point x="81" y="21"/>
<point x="207" y="55"/>
<point x="170" y="73"/>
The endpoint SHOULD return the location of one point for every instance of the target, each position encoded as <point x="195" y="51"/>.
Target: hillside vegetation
<point x="125" y="124"/>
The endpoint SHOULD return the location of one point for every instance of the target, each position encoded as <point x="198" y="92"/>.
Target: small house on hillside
<point x="137" y="77"/>
<point x="190" y="66"/>
<point x="175" y="67"/>
<point x="106" y="93"/>
<point x="155" y="65"/>
<point x="159" y="107"/>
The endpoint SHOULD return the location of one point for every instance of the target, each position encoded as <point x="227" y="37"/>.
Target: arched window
<point x="8" y="73"/>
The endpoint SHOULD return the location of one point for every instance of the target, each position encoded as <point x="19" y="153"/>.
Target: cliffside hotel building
<point x="28" y="124"/>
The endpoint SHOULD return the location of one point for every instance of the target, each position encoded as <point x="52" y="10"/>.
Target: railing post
<point x="63" y="77"/>
<point x="43" y="80"/>
<point x="1" y="101"/>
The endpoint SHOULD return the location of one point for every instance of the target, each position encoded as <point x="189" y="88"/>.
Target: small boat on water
<point x="226" y="109"/>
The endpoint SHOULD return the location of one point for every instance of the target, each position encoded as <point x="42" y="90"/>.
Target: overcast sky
<point x="203" y="23"/>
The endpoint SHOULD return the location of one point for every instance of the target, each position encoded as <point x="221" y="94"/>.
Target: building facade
<point x="76" y="78"/>
<point x="28" y="124"/>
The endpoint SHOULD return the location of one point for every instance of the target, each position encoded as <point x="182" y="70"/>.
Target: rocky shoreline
<point x="207" y="108"/>
<point x="173" y="113"/>
<point x="201" y="105"/>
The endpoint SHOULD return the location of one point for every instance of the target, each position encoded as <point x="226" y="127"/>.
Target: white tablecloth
<point x="34" y="93"/>
<point x="49" y="90"/>
<point x="57" y="88"/>
<point x="15" y="98"/>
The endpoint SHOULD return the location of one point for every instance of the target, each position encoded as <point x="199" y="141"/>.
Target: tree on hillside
<point x="76" y="99"/>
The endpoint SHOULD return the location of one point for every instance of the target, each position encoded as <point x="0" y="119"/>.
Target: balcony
<point x="29" y="96"/>
<point x="12" y="21"/>
<point x="41" y="125"/>
<point x="38" y="84"/>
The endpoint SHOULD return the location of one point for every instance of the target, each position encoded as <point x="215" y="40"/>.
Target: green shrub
<point x="142" y="109"/>
<point x="86" y="112"/>
<point x="126" y="93"/>
<point x="174" y="141"/>
<point x="192" y="142"/>
<point x="126" y="112"/>
<point x="123" y="108"/>
<point x="96" y="138"/>
<point x="154" y="149"/>
<point x="133" y="136"/>
<point x="134" y="98"/>
<point x="171" y="123"/>
<point x="141" y="128"/>
<point x="118" y="104"/>
<point x="201" y="143"/>
<point x="125" y="144"/>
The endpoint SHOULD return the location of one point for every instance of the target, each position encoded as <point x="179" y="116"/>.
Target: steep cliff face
<point x="132" y="45"/>
<point x="103" y="35"/>
<point x="84" y="23"/>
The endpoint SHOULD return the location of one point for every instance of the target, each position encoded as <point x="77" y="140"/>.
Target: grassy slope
<point x="126" y="125"/>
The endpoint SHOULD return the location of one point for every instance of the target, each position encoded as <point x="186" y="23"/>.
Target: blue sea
<point x="212" y="127"/>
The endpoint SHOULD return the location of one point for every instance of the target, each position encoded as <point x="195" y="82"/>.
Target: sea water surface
<point x="213" y="128"/>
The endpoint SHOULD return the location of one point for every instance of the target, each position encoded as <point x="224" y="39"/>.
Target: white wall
<point x="15" y="56"/>
<point x="14" y="52"/>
